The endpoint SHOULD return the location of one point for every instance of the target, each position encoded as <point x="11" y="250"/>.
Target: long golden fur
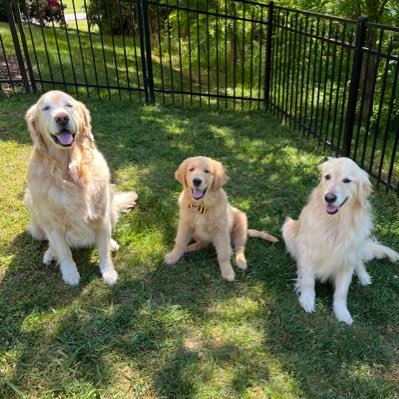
<point x="69" y="193"/>
<point x="207" y="217"/>
<point x="332" y="238"/>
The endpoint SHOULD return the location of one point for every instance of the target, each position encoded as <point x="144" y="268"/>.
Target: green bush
<point x="3" y="14"/>
<point x="43" y="11"/>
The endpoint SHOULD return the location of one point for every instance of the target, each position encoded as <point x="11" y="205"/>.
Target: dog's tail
<point x="261" y="234"/>
<point x="375" y="250"/>
<point x="122" y="201"/>
<point x="290" y="231"/>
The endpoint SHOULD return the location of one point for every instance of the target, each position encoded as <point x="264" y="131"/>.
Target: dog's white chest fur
<point x="332" y="242"/>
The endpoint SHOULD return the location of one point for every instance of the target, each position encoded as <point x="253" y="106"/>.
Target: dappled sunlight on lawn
<point x="182" y="331"/>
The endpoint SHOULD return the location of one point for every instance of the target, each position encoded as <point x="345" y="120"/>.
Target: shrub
<point x="43" y="11"/>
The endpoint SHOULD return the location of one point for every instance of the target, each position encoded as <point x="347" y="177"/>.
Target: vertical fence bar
<point x="190" y="68"/>
<point x="7" y="66"/>
<point x="18" y="52"/>
<point x="260" y="59"/>
<point x="354" y="86"/>
<point x="180" y="53"/>
<point x="290" y="80"/>
<point x="225" y="54"/>
<point x="160" y="55"/>
<point x="235" y="55"/>
<point x="34" y="53"/>
<point x="268" y="55"/>
<point x="124" y="48"/>
<point x="199" y="55"/>
<point x="25" y="47"/>
<point x="217" y="53"/>
<point x="150" y="77"/>
<point x="70" y="52"/>
<point x="251" y="60"/>
<point x="284" y="81"/>
<point x="243" y="59"/>
<point x="80" y="48"/>
<point x="207" y="49"/>
<point x="142" y="49"/>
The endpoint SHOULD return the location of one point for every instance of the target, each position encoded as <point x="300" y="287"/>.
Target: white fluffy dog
<point x="69" y="194"/>
<point x="332" y="237"/>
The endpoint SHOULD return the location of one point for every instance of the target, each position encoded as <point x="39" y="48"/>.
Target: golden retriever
<point x="69" y="193"/>
<point x="332" y="238"/>
<point x="207" y="217"/>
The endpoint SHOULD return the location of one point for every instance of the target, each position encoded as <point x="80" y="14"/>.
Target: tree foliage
<point x="381" y="11"/>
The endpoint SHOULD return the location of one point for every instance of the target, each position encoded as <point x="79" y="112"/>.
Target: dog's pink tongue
<point x="197" y="193"/>
<point x="331" y="208"/>
<point x="65" y="138"/>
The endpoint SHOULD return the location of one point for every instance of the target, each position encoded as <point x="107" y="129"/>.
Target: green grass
<point x="72" y="6"/>
<point x="181" y="331"/>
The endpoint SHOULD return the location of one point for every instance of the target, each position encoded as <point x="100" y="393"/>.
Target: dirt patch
<point x="9" y="69"/>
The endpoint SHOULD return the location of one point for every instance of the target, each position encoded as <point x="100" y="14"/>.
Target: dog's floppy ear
<point x="180" y="174"/>
<point x="219" y="176"/>
<point x="31" y="121"/>
<point x="322" y="166"/>
<point x="84" y="121"/>
<point x="364" y="189"/>
<point x="82" y="153"/>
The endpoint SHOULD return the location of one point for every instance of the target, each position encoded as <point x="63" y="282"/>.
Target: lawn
<point x="182" y="331"/>
<point x="73" y="6"/>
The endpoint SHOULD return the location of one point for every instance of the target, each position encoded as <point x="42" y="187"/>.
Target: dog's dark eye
<point x="328" y="177"/>
<point x="346" y="180"/>
<point x="191" y="169"/>
<point x="70" y="105"/>
<point x="206" y="170"/>
<point x="45" y="108"/>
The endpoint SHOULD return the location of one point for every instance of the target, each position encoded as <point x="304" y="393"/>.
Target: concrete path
<point x="71" y="17"/>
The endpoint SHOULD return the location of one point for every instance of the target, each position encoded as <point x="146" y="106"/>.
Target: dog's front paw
<point x="171" y="258"/>
<point x="71" y="277"/>
<point x="113" y="245"/>
<point x="110" y="276"/>
<point x="307" y="302"/>
<point x="241" y="262"/>
<point x="342" y="314"/>
<point x="364" y="278"/>
<point x="48" y="257"/>
<point x="228" y="275"/>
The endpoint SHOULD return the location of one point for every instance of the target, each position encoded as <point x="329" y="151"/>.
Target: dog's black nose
<point x="62" y="118"/>
<point x="197" y="182"/>
<point x="330" y="198"/>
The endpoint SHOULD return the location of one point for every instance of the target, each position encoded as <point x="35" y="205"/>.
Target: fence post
<point x="268" y="53"/>
<point x="354" y="85"/>
<point x="18" y="53"/>
<point x="150" y="77"/>
<point x="145" y="50"/>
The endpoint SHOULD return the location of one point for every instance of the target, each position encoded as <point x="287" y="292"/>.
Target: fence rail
<point x="334" y="79"/>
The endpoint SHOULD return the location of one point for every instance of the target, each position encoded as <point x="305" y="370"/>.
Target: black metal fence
<point x="333" y="78"/>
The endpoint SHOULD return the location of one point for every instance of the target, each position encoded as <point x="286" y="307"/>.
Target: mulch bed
<point x="12" y="72"/>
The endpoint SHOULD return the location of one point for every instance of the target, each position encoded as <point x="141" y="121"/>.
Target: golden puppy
<point x="69" y="193"/>
<point x="332" y="238"/>
<point x="207" y="217"/>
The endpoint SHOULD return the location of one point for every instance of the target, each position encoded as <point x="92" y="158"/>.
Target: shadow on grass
<point x="182" y="331"/>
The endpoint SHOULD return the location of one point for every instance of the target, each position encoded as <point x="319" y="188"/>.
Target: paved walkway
<point x="71" y="17"/>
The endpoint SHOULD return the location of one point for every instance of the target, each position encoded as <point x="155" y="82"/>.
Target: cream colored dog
<point x="332" y="237"/>
<point x="207" y="217"/>
<point x="69" y="193"/>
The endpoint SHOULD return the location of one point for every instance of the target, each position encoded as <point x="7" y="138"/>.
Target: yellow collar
<point x="200" y="208"/>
